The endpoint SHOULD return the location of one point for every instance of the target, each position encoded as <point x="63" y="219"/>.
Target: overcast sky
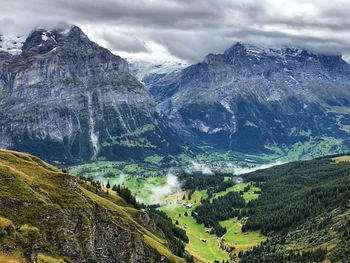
<point x="189" y="29"/>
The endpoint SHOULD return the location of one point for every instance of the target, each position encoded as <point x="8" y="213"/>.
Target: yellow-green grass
<point x="210" y="251"/>
<point x="42" y="258"/>
<point x="5" y="224"/>
<point x="235" y="237"/>
<point x="42" y="190"/>
<point x="204" y="252"/>
<point x="15" y="257"/>
<point x="345" y="158"/>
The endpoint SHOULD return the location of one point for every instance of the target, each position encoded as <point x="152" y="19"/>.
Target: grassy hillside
<point x="47" y="215"/>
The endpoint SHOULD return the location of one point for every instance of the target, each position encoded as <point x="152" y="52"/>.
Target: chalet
<point x="203" y="240"/>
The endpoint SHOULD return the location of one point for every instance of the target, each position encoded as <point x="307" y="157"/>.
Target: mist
<point x="171" y="186"/>
<point x="204" y="169"/>
<point x="237" y="179"/>
<point x="240" y="170"/>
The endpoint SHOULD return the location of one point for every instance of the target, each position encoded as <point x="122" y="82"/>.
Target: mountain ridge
<point x="265" y="95"/>
<point x="66" y="99"/>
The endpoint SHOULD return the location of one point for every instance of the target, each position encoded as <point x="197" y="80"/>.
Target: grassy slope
<point x="35" y="194"/>
<point x="210" y="251"/>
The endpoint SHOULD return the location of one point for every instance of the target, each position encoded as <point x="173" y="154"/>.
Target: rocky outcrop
<point x="251" y="99"/>
<point x="66" y="99"/>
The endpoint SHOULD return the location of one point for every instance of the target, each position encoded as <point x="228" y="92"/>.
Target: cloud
<point x="240" y="170"/>
<point x="200" y="167"/>
<point x="189" y="30"/>
<point x="123" y="42"/>
<point x="171" y="186"/>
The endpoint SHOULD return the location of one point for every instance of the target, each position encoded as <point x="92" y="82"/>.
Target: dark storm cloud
<point x="189" y="29"/>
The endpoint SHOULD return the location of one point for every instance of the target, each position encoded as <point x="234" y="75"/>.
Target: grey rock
<point x="66" y="99"/>
<point x="250" y="97"/>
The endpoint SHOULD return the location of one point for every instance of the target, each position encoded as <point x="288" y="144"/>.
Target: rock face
<point x="64" y="98"/>
<point x="249" y="98"/>
<point x="45" y="212"/>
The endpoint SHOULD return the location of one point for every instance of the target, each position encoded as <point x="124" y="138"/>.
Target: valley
<point x="168" y="192"/>
<point x="236" y="156"/>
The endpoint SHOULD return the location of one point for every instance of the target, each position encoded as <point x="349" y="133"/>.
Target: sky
<point x="188" y="30"/>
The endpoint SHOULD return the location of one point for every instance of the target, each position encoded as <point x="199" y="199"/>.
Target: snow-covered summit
<point x="13" y="44"/>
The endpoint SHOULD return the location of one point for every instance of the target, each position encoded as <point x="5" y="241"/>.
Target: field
<point x="210" y="250"/>
<point x="345" y="158"/>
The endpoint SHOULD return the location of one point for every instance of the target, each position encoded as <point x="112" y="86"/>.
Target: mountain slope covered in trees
<point x="303" y="209"/>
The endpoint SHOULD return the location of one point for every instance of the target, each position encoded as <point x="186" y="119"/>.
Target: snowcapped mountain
<point x="252" y="99"/>
<point x="64" y="98"/>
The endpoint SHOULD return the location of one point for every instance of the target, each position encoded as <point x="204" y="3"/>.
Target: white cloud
<point x="242" y="170"/>
<point x="171" y="186"/>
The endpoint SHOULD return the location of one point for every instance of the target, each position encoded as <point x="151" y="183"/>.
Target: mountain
<point x="47" y="215"/>
<point x="255" y="99"/>
<point x="66" y="99"/>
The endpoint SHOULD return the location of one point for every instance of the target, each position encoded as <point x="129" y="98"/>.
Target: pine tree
<point x="108" y="185"/>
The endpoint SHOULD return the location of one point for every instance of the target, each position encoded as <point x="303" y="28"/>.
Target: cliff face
<point x="45" y="213"/>
<point x="252" y="98"/>
<point x="64" y="98"/>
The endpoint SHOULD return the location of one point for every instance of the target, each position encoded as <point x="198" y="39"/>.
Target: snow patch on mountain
<point x="11" y="44"/>
<point x="143" y="68"/>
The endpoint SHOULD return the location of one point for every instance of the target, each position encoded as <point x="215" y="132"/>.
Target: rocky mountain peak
<point x="73" y="39"/>
<point x="80" y="96"/>
<point x="250" y="88"/>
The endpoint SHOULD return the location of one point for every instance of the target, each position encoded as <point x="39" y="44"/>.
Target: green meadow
<point x="209" y="251"/>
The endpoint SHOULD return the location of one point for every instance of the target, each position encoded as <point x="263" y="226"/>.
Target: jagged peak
<point x="281" y="50"/>
<point x="66" y="37"/>
<point x="258" y="52"/>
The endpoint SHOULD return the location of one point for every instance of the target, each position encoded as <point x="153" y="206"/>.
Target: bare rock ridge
<point x="66" y="99"/>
